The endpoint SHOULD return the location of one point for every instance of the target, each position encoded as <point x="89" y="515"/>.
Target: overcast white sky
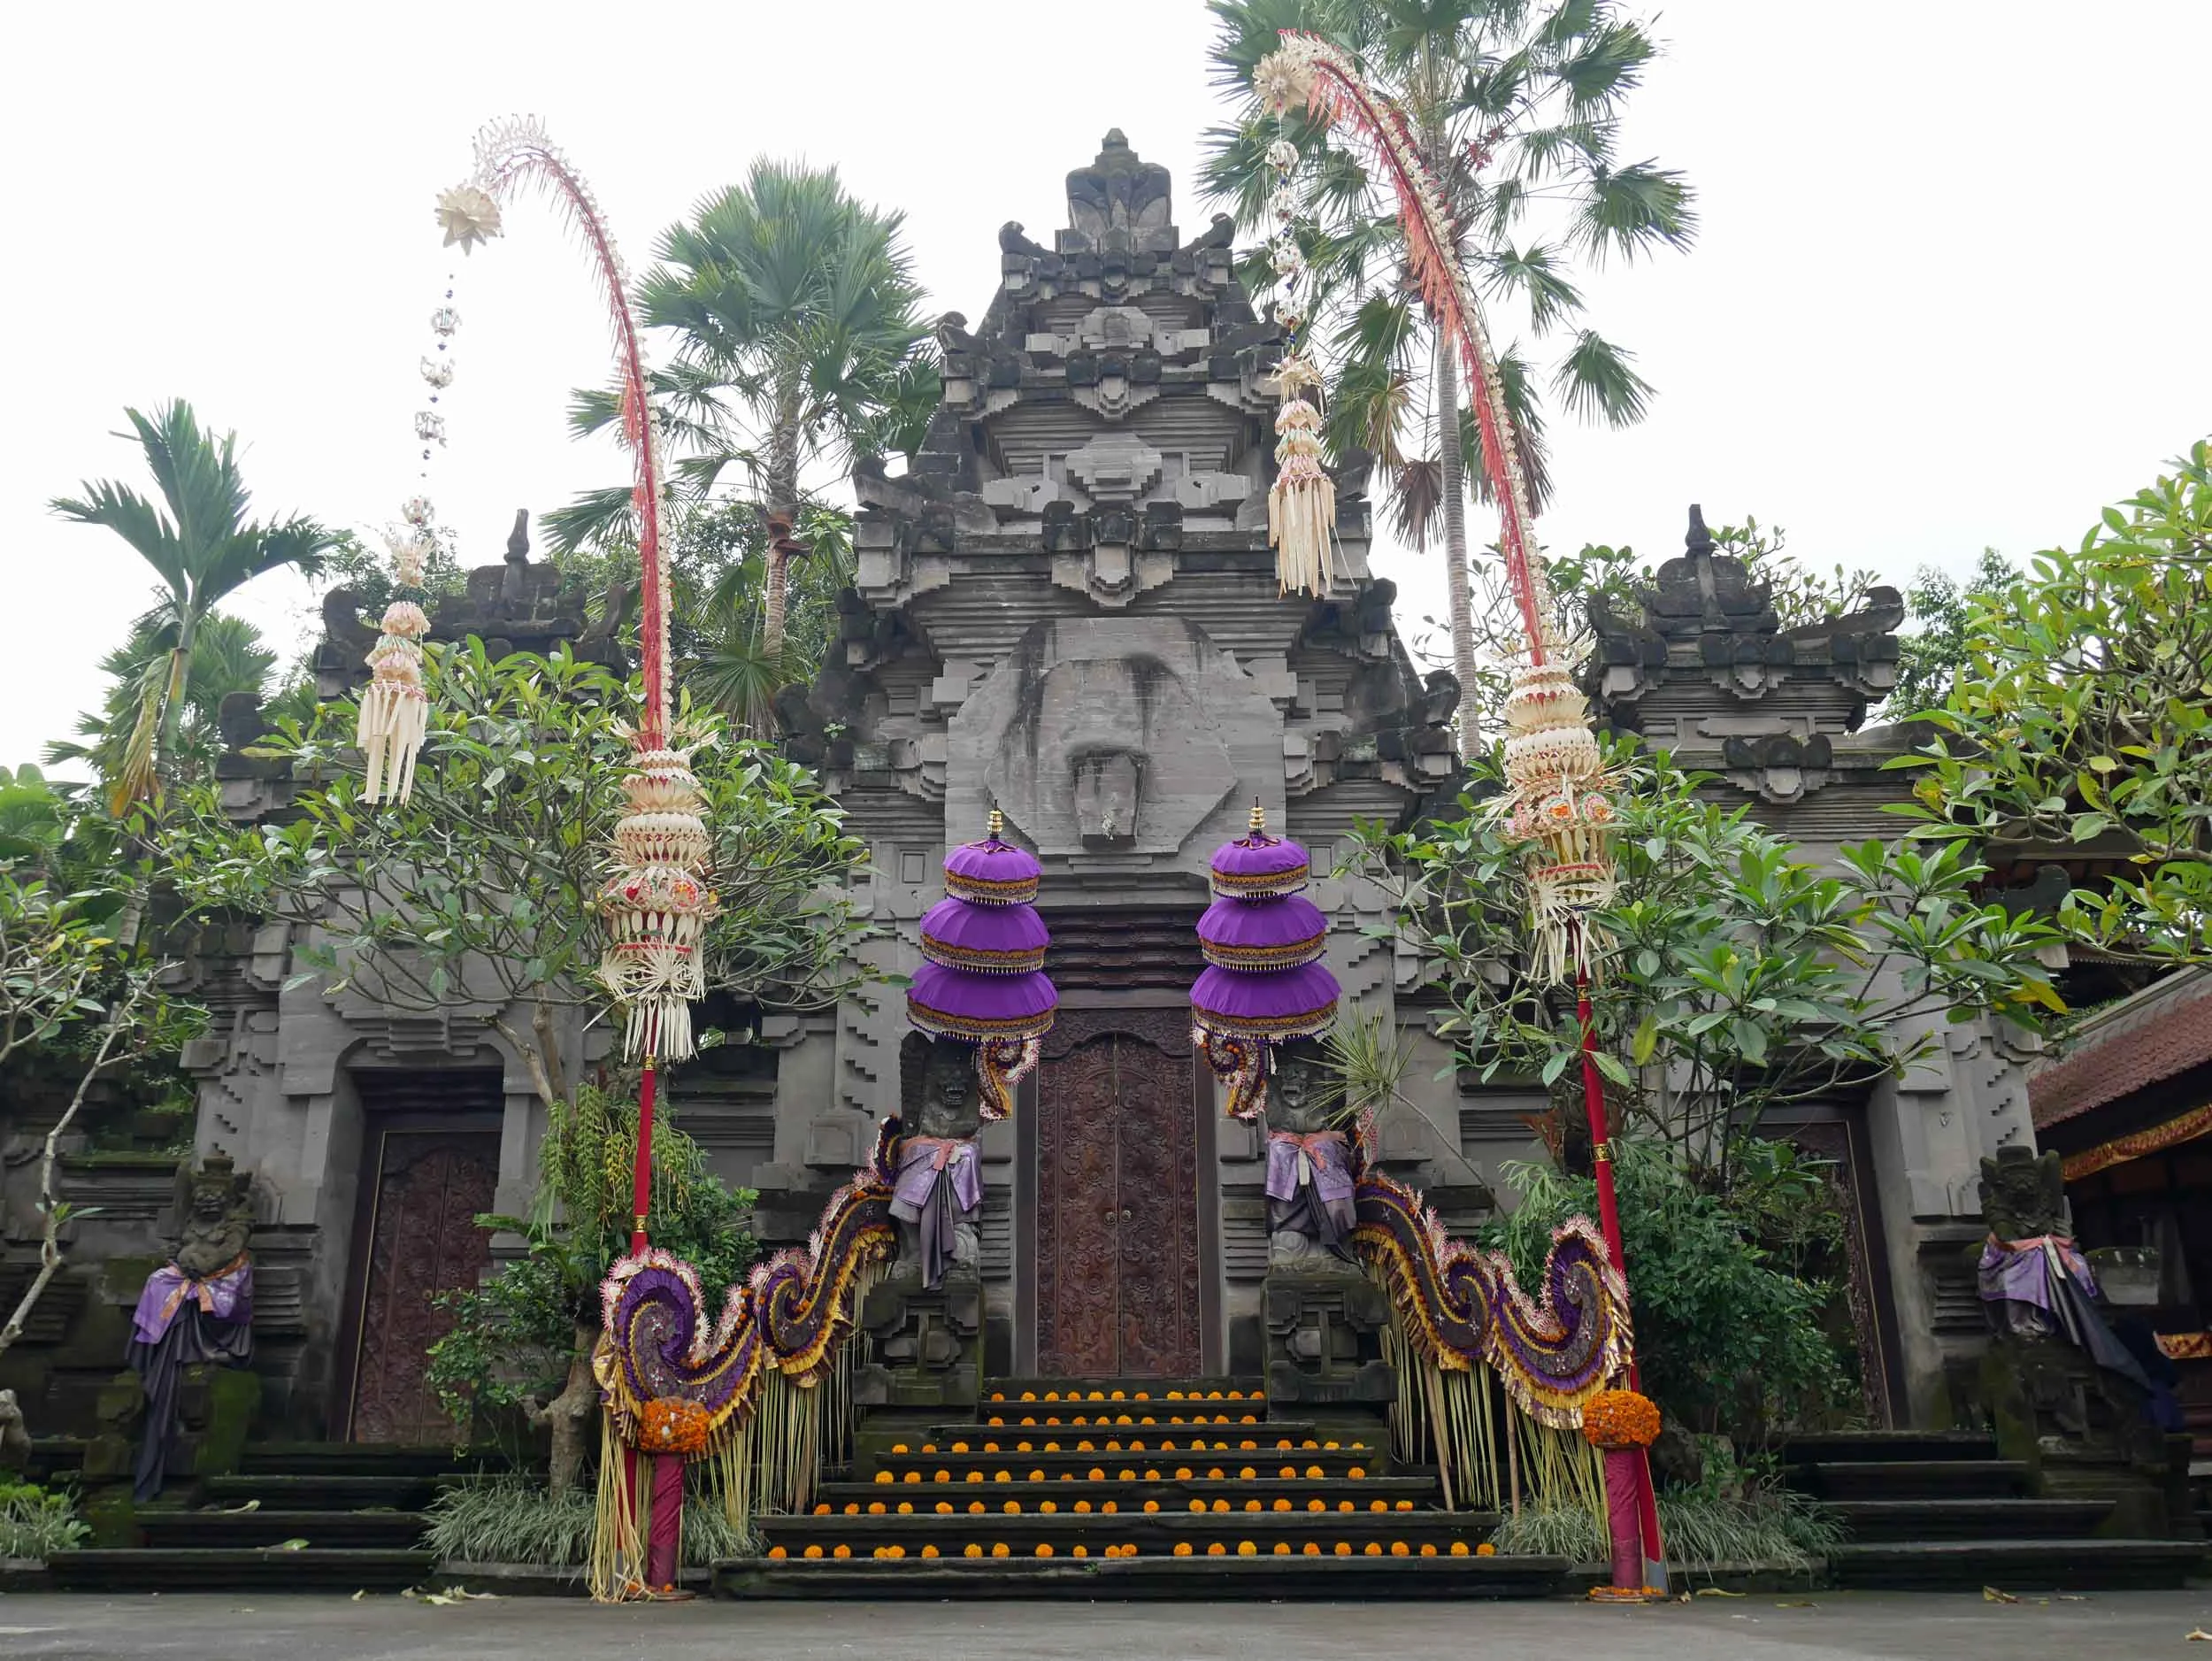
<point x="1951" y="290"/>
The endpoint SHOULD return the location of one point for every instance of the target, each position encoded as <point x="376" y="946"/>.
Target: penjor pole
<point x="656" y="901"/>
<point x="1556" y="802"/>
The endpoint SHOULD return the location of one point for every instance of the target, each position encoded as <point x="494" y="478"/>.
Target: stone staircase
<point x="359" y="1508"/>
<point x="1130" y="1489"/>
<point x="1941" y="1510"/>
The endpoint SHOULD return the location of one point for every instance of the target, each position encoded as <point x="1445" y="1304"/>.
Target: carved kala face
<point x="949" y="1104"/>
<point x="1298" y="1095"/>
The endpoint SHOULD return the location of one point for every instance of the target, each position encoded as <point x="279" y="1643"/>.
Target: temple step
<point x="1163" y="1534"/>
<point x="2018" y="1566"/>
<point x="364" y="1459"/>
<point x="225" y="1570"/>
<point x="917" y="1473"/>
<point x="337" y="1530"/>
<point x="1913" y="1478"/>
<point x="1872" y="1521"/>
<point x="1259" y="1578"/>
<point x="1092" y="1391"/>
<point x="1888" y="1446"/>
<point x="317" y="1492"/>
<point x="1268" y="1492"/>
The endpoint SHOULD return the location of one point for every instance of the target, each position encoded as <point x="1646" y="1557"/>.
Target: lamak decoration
<point x="657" y="899"/>
<point x="1557" y="798"/>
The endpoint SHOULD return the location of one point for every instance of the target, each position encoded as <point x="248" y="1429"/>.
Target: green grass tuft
<point x="35" y="1523"/>
<point x="515" y="1519"/>
<point x="1769" y="1525"/>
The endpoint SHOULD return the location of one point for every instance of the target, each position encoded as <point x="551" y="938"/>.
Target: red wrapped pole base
<point x="664" y="1530"/>
<point x="1623" y="1512"/>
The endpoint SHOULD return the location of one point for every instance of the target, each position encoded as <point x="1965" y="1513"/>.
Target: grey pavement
<point x="1846" y="1626"/>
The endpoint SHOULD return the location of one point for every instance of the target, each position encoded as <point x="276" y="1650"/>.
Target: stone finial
<point x="513" y="584"/>
<point x="1118" y="193"/>
<point x="1698" y="540"/>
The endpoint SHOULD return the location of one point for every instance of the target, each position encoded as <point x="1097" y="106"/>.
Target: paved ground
<point x="1838" y="1626"/>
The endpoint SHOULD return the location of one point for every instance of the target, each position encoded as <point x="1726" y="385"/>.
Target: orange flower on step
<point x="1002" y="1550"/>
<point x="673" y="1425"/>
<point x="777" y="1551"/>
<point x="971" y="1551"/>
<point x="1486" y="1549"/>
<point x="811" y="1552"/>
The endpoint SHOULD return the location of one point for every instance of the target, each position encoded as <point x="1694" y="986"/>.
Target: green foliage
<point x="1516" y="107"/>
<point x="202" y="547"/>
<point x="1763" y="1523"/>
<point x="513" y="1519"/>
<point x="1931" y="653"/>
<point x="502" y="852"/>
<point x="1728" y="1340"/>
<point x="36" y="1523"/>
<point x="795" y="318"/>
<point x="1742" y="978"/>
<point x="2080" y="724"/>
<point x="513" y="1337"/>
<point x="228" y="655"/>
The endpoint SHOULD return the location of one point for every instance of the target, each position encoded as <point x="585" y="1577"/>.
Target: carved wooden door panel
<point x="1117" y="1281"/>
<point x="422" y="1240"/>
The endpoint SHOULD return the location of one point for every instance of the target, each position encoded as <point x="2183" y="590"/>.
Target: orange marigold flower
<point x="1486" y="1549"/>
<point x="1619" y="1419"/>
<point x="671" y="1425"/>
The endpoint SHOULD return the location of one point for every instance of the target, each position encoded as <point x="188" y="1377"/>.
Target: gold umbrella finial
<point x="998" y="826"/>
<point x="1259" y="817"/>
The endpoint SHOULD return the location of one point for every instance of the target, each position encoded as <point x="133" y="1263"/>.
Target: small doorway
<point x="426" y="1178"/>
<point x="1117" y="1263"/>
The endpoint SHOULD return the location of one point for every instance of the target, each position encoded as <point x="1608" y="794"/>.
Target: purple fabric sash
<point x="1323" y="1158"/>
<point x="923" y="1159"/>
<point x="227" y="1295"/>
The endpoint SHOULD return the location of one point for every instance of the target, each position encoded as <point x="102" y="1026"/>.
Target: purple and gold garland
<point x="658" y="1343"/>
<point x="1462" y="1307"/>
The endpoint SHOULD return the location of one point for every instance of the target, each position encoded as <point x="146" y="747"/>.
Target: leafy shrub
<point x="35" y="1523"/>
<point x="1728" y="1340"/>
<point x="514" y="1519"/>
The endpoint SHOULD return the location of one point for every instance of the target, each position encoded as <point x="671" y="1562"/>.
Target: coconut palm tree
<point x="228" y="655"/>
<point x="203" y="547"/>
<point x="1516" y="105"/>
<point x="794" y="313"/>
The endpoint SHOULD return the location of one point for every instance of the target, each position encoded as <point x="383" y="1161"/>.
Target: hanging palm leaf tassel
<point x="1302" y="506"/>
<point x="395" y="708"/>
<point x="1556" y="803"/>
<point x="656" y="904"/>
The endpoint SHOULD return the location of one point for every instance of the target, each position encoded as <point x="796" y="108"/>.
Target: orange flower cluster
<point x="673" y="1425"/>
<point x="1619" y="1419"/>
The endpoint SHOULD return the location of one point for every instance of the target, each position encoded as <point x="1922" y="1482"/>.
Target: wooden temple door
<point x="1118" y="1257"/>
<point x="418" y="1238"/>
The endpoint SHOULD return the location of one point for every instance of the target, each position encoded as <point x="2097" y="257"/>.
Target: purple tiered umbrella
<point x="982" y="980"/>
<point x="1264" y="982"/>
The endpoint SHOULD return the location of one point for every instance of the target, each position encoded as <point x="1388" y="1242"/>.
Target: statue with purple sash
<point x="197" y="1308"/>
<point x="1309" y="1176"/>
<point x="939" y="1192"/>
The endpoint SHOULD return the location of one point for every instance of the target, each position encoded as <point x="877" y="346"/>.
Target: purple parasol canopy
<point x="988" y="939"/>
<point x="1276" y="934"/>
<point x="1258" y="866"/>
<point x="1272" y="1004"/>
<point x="991" y="871"/>
<point x="979" y="1008"/>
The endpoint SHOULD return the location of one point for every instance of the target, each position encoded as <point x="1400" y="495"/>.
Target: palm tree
<point x="1516" y="105"/>
<point x="228" y="655"/>
<point x="202" y="548"/>
<point x="794" y="309"/>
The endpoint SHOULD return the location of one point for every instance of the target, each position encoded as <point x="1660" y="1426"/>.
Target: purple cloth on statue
<point x="227" y="1296"/>
<point x="2021" y="1271"/>
<point x="922" y="1159"/>
<point x="1324" y="1158"/>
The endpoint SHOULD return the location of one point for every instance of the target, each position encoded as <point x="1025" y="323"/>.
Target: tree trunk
<point x="1455" y="575"/>
<point x="180" y="673"/>
<point x="783" y="502"/>
<point x="569" y="1415"/>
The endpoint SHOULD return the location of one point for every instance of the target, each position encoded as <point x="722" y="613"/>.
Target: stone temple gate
<point x="1066" y="610"/>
